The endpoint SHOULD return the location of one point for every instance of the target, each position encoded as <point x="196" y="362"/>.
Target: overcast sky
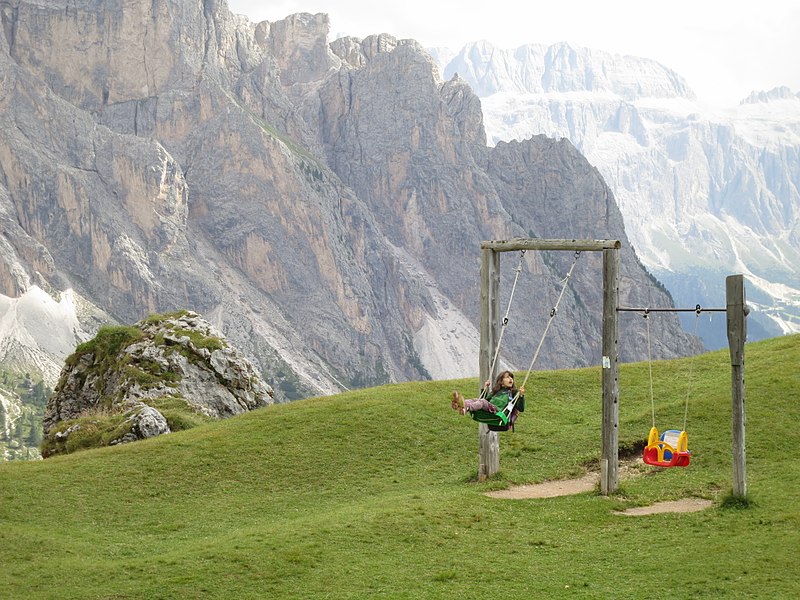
<point x="723" y="48"/>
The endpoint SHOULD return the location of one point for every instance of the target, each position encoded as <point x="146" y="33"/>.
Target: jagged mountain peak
<point x="777" y="93"/>
<point x="358" y="52"/>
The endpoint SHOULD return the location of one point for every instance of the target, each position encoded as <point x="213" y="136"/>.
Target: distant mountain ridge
<point x="703" y="192"/>
<point x="321" y="205"/>
<point x="562" y="67"/>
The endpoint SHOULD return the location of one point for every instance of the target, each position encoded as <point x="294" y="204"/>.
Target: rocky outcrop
<point x="127" y="373"/>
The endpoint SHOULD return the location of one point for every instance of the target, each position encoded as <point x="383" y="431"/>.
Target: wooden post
<point x="488" y="441"/>
<point x="609" y="459"/>
<point x="737" y="334"/>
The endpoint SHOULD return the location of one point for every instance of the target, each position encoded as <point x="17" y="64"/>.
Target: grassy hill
<point x="371" y="494"/>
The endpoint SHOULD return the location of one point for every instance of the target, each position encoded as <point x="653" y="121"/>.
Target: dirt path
<point x="684" y="505"/>
<point x="587" y="483"/>
<point x="549" y="489"/>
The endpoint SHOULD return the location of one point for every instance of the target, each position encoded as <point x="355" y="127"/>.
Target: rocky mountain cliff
<point x="320" y="204"/>
<point x="704" y="192"/>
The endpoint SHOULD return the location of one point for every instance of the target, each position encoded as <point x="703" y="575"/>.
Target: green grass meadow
<point x="372" y="494"/>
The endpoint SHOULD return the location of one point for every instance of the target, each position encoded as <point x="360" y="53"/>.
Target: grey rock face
<point x="144" y="423"/>
<point x="321" y="206"/>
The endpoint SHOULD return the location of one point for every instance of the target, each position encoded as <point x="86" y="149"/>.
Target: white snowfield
<point x="36" y="329"/>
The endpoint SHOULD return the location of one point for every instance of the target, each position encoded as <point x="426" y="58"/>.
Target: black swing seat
<point x="500" y="427"/>
<point x="499" y="421"/>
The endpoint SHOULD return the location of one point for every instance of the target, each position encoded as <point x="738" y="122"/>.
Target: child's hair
<point x="498" y="383"/>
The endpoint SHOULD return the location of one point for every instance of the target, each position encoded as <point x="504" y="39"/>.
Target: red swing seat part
<point x="670" y="449"/>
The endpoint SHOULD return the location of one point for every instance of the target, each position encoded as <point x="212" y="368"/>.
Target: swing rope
<point x="505" y="414"/>
<point x="650" y="365"/>
<point x="646" y="316"/>
<point x="553" y="313"/>
<point x="484" y="390"/>
<point x="691" y="368"/>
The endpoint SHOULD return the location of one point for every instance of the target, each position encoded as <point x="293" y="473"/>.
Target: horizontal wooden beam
<point x="542" y="244"/>
<point x="698" y="309"/>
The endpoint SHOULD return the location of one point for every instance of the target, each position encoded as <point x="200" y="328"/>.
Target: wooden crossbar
<point x="539" y="244"/>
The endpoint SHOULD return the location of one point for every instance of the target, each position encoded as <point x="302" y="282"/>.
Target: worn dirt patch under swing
<point x="567" y="487"/>
<point x="684" y="505"/>
<point x="549" y="489"/>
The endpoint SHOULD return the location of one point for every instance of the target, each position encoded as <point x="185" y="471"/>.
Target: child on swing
<point x="492" y="400"/>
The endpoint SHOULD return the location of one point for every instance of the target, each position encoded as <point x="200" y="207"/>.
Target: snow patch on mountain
<point x="704" y="191"/>
<point x="447" y="348"/>
<point x="11" y="407"/>
<point x="39" y="332"/>
<point x="447" y="342"/>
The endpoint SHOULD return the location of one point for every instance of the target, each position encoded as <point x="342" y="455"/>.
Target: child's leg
<point x="457" y="402"/>
<point x="479" y="404"/>
<point x="464" y="406"/>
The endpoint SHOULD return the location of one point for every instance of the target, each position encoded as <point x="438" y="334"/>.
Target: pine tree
<point x="39" y="394"/>
<point x="34" y="437"/>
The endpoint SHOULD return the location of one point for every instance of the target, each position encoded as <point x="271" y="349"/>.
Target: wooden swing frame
<point x="736" y="309"/>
